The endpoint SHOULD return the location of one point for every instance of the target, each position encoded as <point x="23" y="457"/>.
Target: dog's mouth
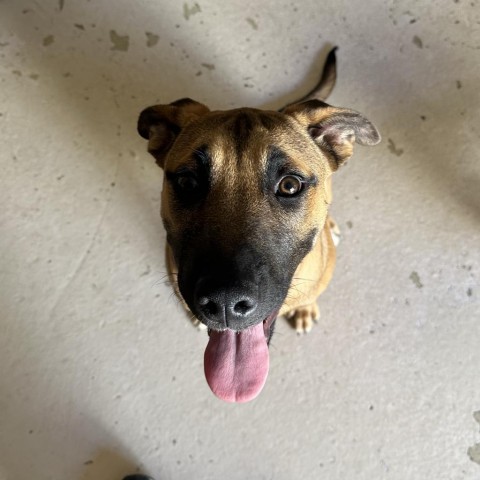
<point x="236" y="363"/>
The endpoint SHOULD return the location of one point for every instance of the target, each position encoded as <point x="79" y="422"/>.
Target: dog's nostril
<point x="243" y="307"/>
<point x="208" y="307"/>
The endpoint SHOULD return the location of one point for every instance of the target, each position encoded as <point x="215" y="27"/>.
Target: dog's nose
<point x="225" y="306"/>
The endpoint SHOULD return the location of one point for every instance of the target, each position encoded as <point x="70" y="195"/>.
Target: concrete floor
<point x="100" y="372"/>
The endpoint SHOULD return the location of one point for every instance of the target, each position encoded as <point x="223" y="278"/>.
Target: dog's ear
<point x="335" y="130"/>
<point x="161" y="124"/>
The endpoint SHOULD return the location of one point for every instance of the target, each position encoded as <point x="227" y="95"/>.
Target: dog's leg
<point x="310" y="280"/>
<point x="302" y="318"/>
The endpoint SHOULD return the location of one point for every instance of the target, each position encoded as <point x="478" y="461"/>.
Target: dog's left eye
<point x="289" y="186"/>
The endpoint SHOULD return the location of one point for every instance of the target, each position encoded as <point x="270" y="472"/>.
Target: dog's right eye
<point x="187" y="183"/>
<point x="189" y="186"/>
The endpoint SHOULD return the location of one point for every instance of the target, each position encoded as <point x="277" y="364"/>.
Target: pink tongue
<point x="236" y="363"/>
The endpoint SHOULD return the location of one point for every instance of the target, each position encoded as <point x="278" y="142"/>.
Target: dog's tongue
<point x="236" y="363"/>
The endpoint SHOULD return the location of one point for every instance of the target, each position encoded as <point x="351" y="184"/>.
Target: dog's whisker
<point x="295" y="286"/>
<point x="305" y="279"/>
<point x="165" y="279"/>
<point x="286" y="302"/>
<point x="298" y="284"/>
<point x="172" y="298"/>
<point x="161" y="279"/>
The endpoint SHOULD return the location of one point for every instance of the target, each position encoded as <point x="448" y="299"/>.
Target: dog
<point x="245" y="206"/>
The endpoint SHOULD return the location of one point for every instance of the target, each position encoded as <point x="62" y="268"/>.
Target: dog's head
<point x="245" y="197"/>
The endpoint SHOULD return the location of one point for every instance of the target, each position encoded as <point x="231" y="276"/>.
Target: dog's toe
<point x="302" y="318"/>
<point x="334" y="231"/>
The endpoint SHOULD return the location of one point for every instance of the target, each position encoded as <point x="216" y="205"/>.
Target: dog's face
<point x="245" y="196"/>
<point x="244" y="200"/>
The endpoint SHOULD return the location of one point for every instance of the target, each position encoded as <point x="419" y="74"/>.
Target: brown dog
<point x="244" y="203"/>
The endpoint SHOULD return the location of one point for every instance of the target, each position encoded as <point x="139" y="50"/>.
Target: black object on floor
<point x="137" y="476"/>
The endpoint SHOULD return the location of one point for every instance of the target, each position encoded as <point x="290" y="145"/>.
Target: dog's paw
<point x="302" y="318"/>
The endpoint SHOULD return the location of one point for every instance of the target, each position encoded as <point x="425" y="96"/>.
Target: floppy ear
<point x="161" y="124"/>
<point x="334" y="130"/>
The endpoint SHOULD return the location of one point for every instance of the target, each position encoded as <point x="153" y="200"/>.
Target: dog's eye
<point x="188" y="183"/>
<point x="289" y="186"/>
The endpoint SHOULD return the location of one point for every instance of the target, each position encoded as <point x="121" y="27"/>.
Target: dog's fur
<point x="245" y="203"/>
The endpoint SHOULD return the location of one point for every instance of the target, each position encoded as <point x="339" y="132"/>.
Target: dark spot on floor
<point x="417" y="41"/>
<point x="120" y="42"/>
<point x="88" y="462"/>
<point x="415" y="278"/>
<point x="393" y="149"/>
<point x="474" y="453"/>
<point x="469" y="292"/>
<point x="48" y="40"/>
<point x="459" y="84"/>
<point x="476" y="416"/>
<point x="209" y="66"/>
<point x="252" y="23"/>
<point x="146" y="272"/>
<point x="349" y="224"/>
<point x="152" y="39"/>
<point x="79" y="26"/>
<point x="189" y="11"/>
<point x="423" y="117"/>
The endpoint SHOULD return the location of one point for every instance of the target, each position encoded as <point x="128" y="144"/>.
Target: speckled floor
<point x="100" y="372"/>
